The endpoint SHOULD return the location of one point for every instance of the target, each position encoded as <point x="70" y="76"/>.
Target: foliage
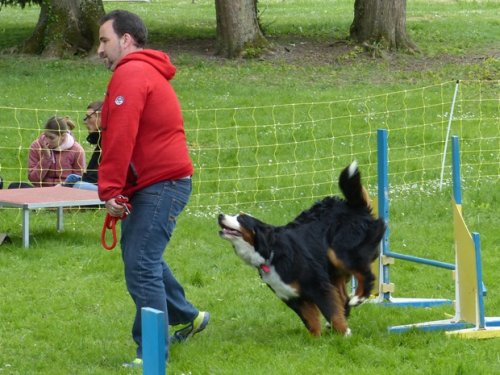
<point x="21" y="3"/>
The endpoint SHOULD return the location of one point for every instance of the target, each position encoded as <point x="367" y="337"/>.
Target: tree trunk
<point x="65" y="28"/>
<point x="238" y="30"/>
<point x="381" y="23"/>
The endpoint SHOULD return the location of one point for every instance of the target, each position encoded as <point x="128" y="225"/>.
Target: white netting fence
<point x="257" y="156"/>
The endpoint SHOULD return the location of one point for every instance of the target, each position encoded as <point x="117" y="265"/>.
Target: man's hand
<point x="114" y="209"/>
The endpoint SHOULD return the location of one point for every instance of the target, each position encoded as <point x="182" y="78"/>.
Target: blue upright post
<point x="153" y="341"/>
<point x="383" y="199"/>
<point x="457" y="187"/>
<point x="457" y="181"/>
<point x="479" y="273"/>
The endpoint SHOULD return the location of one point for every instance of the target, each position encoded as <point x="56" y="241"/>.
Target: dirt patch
<point x="301" y="51"/>
<point x="288" y="50"/>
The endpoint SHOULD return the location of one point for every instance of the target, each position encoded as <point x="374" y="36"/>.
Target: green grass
<point x="65" y="309"/>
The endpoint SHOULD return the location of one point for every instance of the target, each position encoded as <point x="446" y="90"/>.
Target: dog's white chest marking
<point x="247" y="252"/>
<point x="282" y="290"/>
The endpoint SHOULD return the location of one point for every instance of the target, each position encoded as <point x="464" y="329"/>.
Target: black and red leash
<point x="110" y="222"/>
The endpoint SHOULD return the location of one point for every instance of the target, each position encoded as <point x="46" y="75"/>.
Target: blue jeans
<point x="72" y="178"/>
<point x="145" y="235"/>
<point x="76" y="182"/>
<point x="85" y="186"/>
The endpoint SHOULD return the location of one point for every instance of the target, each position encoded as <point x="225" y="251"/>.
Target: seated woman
<point x="92" y="121"/>
<point x="55" y="154"/>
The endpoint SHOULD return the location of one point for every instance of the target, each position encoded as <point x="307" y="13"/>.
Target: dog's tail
<point x="350" y="185"/>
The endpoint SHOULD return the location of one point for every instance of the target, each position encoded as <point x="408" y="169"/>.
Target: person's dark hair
<point x="59" y="125"/>
<point x="125" y="22"/>
<point x="95" y="106"/>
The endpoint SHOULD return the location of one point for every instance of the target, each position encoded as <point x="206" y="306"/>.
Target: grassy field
<point x="268" y="136"/>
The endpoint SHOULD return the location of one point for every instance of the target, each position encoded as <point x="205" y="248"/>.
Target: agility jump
<point x="469" y="320"/>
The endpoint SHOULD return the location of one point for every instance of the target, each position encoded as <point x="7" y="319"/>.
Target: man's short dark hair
<point x="95" y="106"/>
<point x="125" y="22"/>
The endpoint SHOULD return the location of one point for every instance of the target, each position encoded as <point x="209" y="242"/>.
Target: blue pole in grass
<point x="479" y="275"/>
<point x="153" y="341"/>
<point x="457" y="183"/>
<point x="383" y="199"/>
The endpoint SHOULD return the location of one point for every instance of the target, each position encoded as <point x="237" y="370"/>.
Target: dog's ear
<point x="263" y="234"/>
<point x="249" y="222"/>
<point x="264" y="240"/>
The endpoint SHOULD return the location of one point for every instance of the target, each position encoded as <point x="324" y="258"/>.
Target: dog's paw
<point x="348" y="333"/>
<point x="356" y="301"/>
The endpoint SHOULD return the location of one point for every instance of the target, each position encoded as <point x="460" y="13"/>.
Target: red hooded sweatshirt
<point x="143" y="139"/>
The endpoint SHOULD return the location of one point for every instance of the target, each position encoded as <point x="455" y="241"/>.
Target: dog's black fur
<point x="308" y="262"/>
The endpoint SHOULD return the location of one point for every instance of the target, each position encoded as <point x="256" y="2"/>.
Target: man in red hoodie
<point x="145" y="158"/>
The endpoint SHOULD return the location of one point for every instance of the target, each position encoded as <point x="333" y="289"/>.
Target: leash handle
<point x="110" y="222"/>
<point x="122" y="200"/>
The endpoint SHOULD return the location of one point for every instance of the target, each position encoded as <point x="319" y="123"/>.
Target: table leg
<point x="26" y="227"/>
<point x="60" y="222"/>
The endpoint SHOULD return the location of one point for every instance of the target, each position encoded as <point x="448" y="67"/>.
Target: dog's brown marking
<point x="296" y="286"/>
<point x="310" y="314"/>
<point x="366" y="197"/>
<point x="338" y="319"/>
<point x="337" y="263"/>
<point x="340" y="284"/>
<point x="248" y="236"/>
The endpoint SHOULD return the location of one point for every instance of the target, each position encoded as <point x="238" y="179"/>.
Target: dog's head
<point x="245" y="233"/>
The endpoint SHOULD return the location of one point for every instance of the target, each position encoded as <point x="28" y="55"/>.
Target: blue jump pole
<point x="153" y="341"/>
<point x="479" y="273"/>
<point x="429" y="262"/>
<point x="383" y="199"/>
<point x="457" y="179"/>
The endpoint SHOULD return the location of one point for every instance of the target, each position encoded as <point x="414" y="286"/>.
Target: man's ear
<point x="127" y="41"/>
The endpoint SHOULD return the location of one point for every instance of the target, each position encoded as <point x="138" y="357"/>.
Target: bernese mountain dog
<point x="308" y="262"/>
